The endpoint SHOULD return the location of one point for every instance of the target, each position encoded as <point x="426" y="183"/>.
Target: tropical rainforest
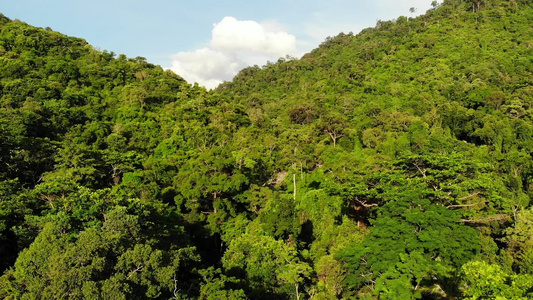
<point x="396" y="163"/>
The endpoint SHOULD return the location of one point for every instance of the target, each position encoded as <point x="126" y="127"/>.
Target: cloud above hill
<point x="235" y="44"/>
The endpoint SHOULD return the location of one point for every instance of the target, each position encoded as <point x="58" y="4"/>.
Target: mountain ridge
<point x="391" y="164"/>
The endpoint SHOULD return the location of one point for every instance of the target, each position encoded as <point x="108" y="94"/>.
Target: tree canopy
<point x="391" y="164"/>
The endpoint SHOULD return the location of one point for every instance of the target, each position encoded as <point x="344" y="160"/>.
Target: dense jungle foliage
<point x="392" y="164"/>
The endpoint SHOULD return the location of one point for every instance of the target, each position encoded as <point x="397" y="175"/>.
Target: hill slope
<point x="392" y="164"/>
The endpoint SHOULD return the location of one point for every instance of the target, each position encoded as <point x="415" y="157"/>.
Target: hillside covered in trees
<point x="392" y="164"/>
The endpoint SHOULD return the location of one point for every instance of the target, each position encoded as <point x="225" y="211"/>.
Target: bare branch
<point x="364" y="203"/>
<point x="139" y="268"/>
<point x="176" y="290"/>
<point x="499" y="217"/>
<point x="423" y="172"/>
<point x="465" y="205"/>
<point x="469" y="196"/>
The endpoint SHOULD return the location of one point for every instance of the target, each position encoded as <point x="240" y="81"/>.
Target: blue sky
<point x="207" y="41"/>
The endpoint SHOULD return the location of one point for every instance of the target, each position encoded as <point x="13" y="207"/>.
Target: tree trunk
<point x="294" y="183"/>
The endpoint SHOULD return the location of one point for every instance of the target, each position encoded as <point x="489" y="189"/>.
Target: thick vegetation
<point x="392" y="164"/>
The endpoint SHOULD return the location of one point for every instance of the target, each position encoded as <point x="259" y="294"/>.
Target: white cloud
<point x="205" y="66"/>
<point x="234" y="45"/>
<point x="234" y="35"/>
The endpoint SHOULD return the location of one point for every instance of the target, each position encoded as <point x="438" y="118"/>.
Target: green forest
<point x="396" y="163"/>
